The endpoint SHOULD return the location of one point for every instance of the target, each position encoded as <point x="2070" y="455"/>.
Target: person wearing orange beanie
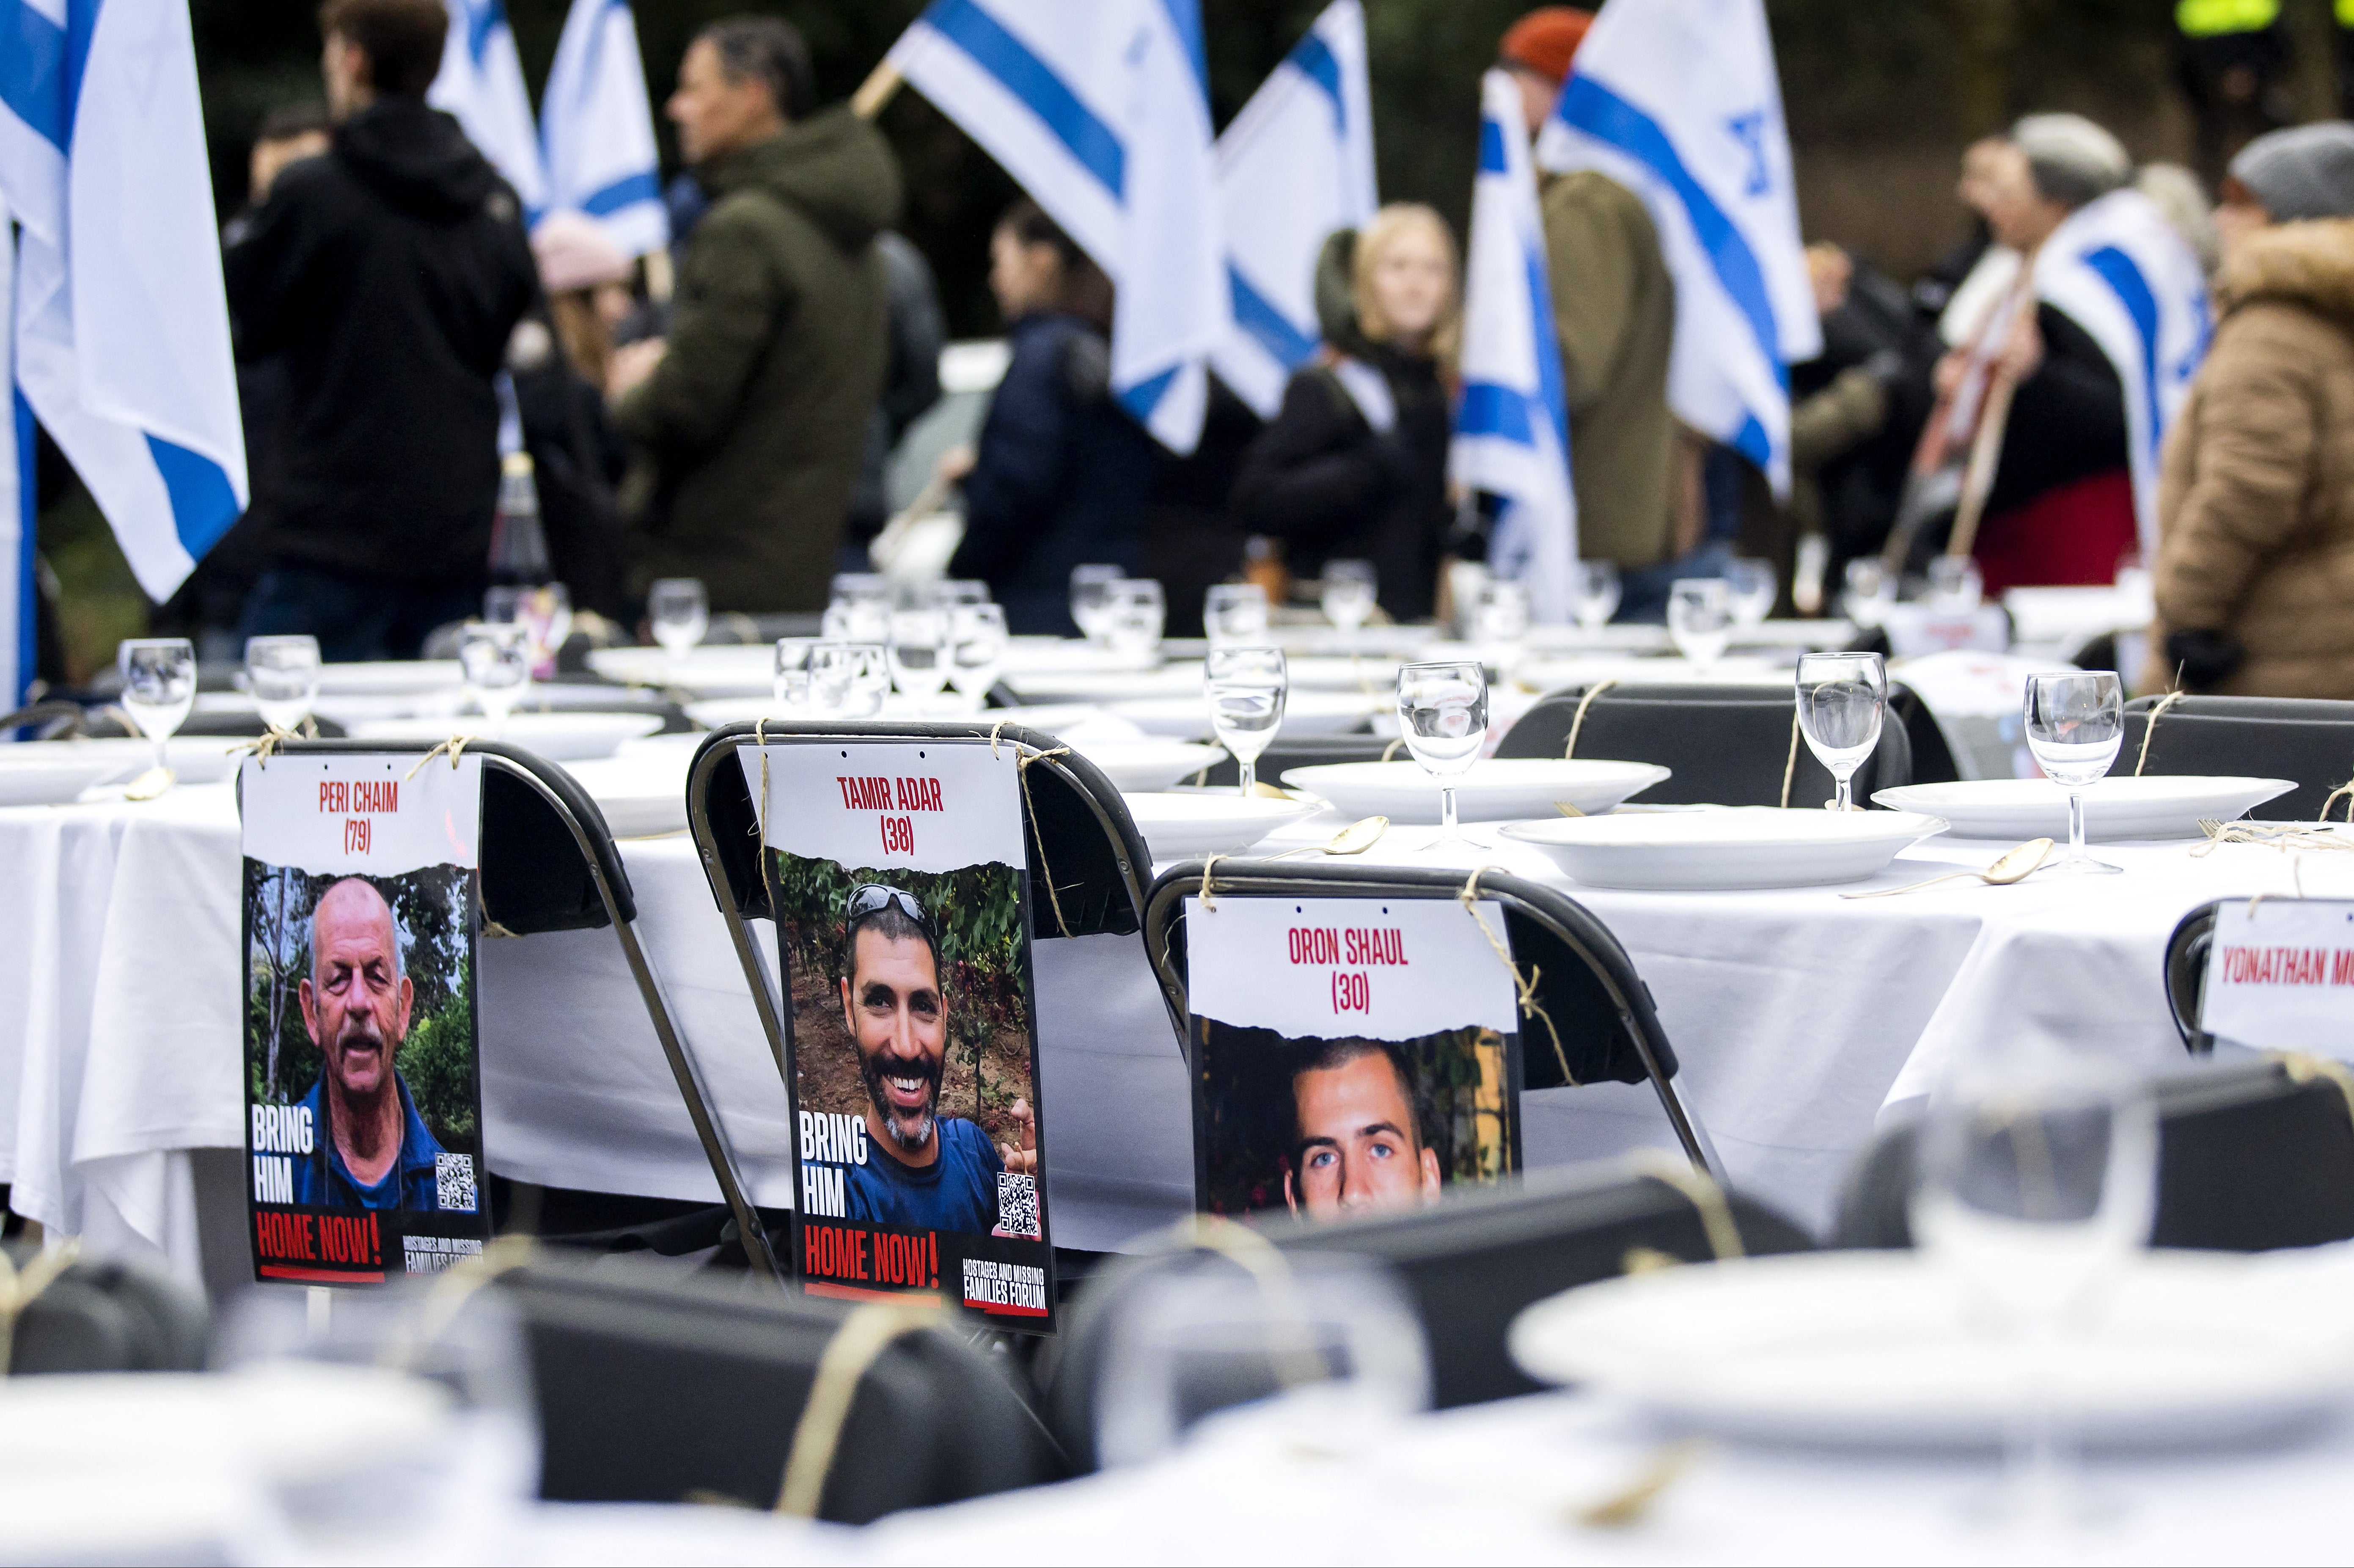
<point x="1537" y="49"/>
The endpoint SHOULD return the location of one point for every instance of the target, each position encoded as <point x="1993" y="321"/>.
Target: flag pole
<point x="875" y="93"/>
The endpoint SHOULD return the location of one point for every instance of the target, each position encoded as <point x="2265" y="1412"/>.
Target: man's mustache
<point x="359" y="1035"/>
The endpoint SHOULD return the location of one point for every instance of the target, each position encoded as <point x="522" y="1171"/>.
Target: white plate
<point x="725" y="669"/>
<point x="2161" y="806"/>
<point x="1177" y="826"/>
<point x="1141" y="765"/>
<point x="389" y="677"/>
<point x="1304" y="713"/>
<point x="560" y="738"/>
<point x="1878" y="1348"/>
<point x="1099" y="686"/>
<point x="1744" y="846"/>
<point x="54" y="772"/>
<point x="1492" y="792"/>
<point x="1367" y="676"/>
<point x="641" y="795"/>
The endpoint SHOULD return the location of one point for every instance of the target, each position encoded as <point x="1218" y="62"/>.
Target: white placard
<point x="374" y="814"/>
<point x="930" y="806"/>
<point x="1328" y="969"/>
<point x="2280" y="976"/>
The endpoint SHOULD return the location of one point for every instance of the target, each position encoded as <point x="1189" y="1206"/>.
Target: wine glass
<point x="949" y="592"/>
<point x="1754" y="588"/>
<point x="860" y="609"/>
<point x="159" y="689"/>
<point x="1594" y="594"/>
<point x="1700" y="619"/>
<point x="1500" y="621"/>
<point x="1955" y="585"/>
<point x="1443" y="715"/>
<point x="503" y="602"/>
<point x="496" y="659"/>
<point x="283" y="673"/>
<point x="1334" y="1334"/>
<point x="977" y="632"/>
<point x="2035" y="1184"/>
<point x="1842" y="698"/>
<point x="1246" y="686"/>
<point x="848" y="679"/>
<point x="680" y="613"/>
<point x="791" y="684"/>
<point x="1869" y="591"/>
<point x="2075" y="722"/>
<point x="1349" y="594"/>
<point x="1090" y="588"/>
<point x="1133" y="617"/>
<point x="1235" y="612"/>
<point x="919" y="653"/>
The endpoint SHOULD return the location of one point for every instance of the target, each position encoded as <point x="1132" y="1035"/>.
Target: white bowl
<point x="54" y="772"/>
<point x="1147" y="764"/>
<point x="1491" y="791"/>
<point x="1176" y="826"/>
<point x="2152" y="807"/>
<point x="560" y="738"/>
<point x="1304" y="713"/>
<point x="389" y="677"/>
<point x="1742" y="846"/>
<point x="720" y="669"/>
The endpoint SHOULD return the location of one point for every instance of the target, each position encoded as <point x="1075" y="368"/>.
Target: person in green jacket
<point x="750" y="418"/>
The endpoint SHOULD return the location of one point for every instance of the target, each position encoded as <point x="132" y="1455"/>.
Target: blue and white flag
<point x="1677" y="101"/>
<point x="2118" y="270"/>
<point x="480" y="83"/>
<point x="121" y="330"/>
<point x="1512" y="427"/>
<point x="1101" y="109"/>
<point x="597" y="128"/>
<point x="1296" y="164"/>
<point x="16" y="665"/>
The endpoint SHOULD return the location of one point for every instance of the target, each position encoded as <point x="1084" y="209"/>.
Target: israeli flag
<point x="121" y="333"/>
<point x="1511" y="424"/>
<point x="480" y="83"/>
<point x="1295" y="166"/>
<point x="597" y="129"/>
<point x="2118" y="270"/>
<point x="1101" y="109"/>
<point x="1677" y="101"/>
<point x="16" y="662"/>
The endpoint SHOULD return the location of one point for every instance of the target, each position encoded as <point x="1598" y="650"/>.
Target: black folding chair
<point x="2306" y="740"/>
<point x="2252" y="1155"/>
<point x="1072" y="814"/>
<point x="650" y="1390"/>
<point x="1609" y="1029"/>
<point x="1470" y="1264"/>
<point x="1726" y="745"/>
<point x="104" y="1316"/>
<point x="549" y="863"/>
<point x="2186" y="974"/>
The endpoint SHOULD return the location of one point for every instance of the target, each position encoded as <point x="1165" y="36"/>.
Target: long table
<point x="1800" y="1018"/>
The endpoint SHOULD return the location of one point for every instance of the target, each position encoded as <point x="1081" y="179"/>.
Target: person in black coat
<point x="1059" y="476"/>
<point x="389" y="273"/>
<point x="1355" y="465"/>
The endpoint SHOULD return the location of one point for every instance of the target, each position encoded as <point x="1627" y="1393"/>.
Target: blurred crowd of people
<point x="396" y="330"/>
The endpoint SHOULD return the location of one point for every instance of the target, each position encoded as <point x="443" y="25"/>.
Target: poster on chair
<point x="363" y="1093"/>
<point x="899" y="877"/>
<point x="1351" y="1056"/>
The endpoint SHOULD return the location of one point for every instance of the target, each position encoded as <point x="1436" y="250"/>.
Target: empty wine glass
<point x="283" y="673"/>
<point x="1700" y="619"/>
<point x="159" y="688"/>
<point x="1841" y="700"/>
<point x="859" y="609"/>
<point x="1351" y="592"/>
<point x="1090" y="588"/>
<point x="1235" y="612"/>
<point x="1955" y="585"/>
<point x="1594" y="594"/>
<point x="1754" y="588"/>
<point x="2075" y="722"/>
<point x="496" y="659"/>
<point x="919" y="653"/>
<point x="680" y="613"/>
<point x="1246" y="687"/>
<point x="848" y="679"/>
<point x="1133" y="616"/>
<point x="1500" y="621"/>
<point x="790" y="684"/>
<point x="2036" y="1184"/>
<point x="978" y="637"/>
<point x="1869" y="591"/>
<point x="1443" y="716"/>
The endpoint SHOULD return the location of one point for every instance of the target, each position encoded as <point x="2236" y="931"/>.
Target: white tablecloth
<point x="1799" y="1017"/>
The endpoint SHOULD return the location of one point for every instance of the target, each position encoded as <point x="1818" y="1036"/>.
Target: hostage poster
<point x="900" y="878"/>
<point x="362" y="1086"/>
<point x="1351" y="1056"/>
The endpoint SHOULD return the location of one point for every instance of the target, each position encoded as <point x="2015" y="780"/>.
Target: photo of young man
<point x="1357" y="1144"/>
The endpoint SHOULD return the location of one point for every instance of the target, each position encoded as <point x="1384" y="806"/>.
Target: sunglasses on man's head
<point x="870" y="897"/>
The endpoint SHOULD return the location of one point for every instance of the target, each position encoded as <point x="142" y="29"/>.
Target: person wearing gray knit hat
<point x="2305" y="172"/>
<point x="2071" y="160"/>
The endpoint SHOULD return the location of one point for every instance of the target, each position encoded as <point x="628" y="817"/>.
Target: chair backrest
<point x="651" y="1390"/>
<point x="2250" y="1157"/>
<point x="1470" y="1264"/>
<point x="108" y="1316"/>
<point x="2308" y="739"/>
<point x="1726" y="745"/>
<point x="2186" y="974"/>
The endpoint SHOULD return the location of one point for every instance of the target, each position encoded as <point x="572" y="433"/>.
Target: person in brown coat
<point x="2255" y="567"/>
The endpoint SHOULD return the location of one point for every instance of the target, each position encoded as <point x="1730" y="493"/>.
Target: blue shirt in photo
<point x="957" y="1191"/>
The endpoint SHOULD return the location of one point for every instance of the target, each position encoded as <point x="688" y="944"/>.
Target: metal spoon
<point x="1355" y="838"/>
<point x="2011" y="866"/>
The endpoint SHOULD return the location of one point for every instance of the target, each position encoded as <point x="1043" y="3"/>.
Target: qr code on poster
<point x="1017" y="1203"/>
<point x="453" y="1183"/>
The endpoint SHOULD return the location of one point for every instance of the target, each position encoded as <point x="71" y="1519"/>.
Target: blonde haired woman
<point x="1354" y="466"/>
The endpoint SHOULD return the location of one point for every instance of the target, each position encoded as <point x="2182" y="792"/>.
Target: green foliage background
<point x="432" y="914"/>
